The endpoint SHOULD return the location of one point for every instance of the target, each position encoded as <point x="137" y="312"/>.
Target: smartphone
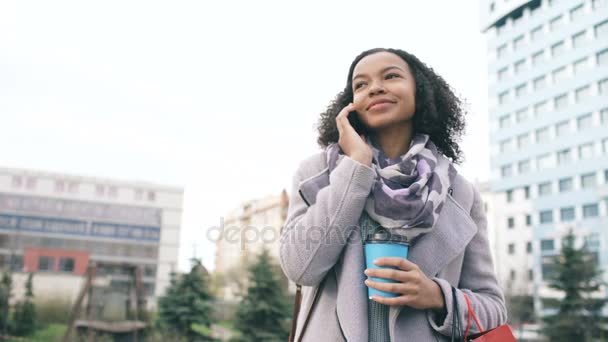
<point x="355" y="121"/>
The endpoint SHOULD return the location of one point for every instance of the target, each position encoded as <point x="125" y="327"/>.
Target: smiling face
<point x="384" y="91"/>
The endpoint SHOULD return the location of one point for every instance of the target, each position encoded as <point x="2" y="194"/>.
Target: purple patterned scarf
<point x="409" y="191"/>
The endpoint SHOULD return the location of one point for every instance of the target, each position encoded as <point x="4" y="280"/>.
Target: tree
<point x="186" y="308"/>
<point x="579" y="315"/>
<point x="5" y="294"/>
<point x="264" y="312"/>
<point x="25" y="311"/>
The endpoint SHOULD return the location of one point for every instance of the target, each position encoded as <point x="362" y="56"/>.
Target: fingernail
<point x="366" y="272"/>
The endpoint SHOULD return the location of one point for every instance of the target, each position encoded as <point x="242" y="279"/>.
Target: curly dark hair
<point x="439" y="112"/>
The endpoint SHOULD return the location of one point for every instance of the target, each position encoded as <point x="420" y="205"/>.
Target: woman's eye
<point x="359" y="85"/>
<point x="392" y="75"/>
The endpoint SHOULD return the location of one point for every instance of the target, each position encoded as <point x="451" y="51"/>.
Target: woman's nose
<point x="376" y="88"/>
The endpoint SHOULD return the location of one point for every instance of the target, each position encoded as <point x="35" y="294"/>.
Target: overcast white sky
<point x="220" y="97"/>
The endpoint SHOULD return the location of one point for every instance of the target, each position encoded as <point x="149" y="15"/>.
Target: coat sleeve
<point x="477" y="280"/>
<point x="313" y="237"/>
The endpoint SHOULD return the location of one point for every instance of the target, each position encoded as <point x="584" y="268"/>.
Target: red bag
<point x="501" y="333"/>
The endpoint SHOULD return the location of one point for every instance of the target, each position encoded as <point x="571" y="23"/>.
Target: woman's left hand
<point x="413" y="286"/>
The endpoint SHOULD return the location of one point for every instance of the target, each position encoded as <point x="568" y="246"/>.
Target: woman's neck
<point x="395" y="140"/>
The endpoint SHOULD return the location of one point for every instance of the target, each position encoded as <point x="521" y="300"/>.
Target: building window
<point x="530" y="275"/>
<point x="542" y="135"/>
<point x="46" y="263"/>
<point x="519" y="66"/>
<point x="526" y="192"/>
<point x="602" y="86"/>
<point x="518" y="43"/>
<point x="564" y="156"/>
<point x="541" y="108"/>
<point x="509" y="194"/>
<point x="505" y="146"/>
<point x="521" y="115"/>
<point x="501" y="51"/>
<point x="565" y="184"/>
<point x="502" y="73"/>
<point x="556" y="23"/>
<point x="73" y="187"/>
<point x="520" y="90"/>
<point x="585" y="151"/>
<point x="540" y="83"/>
<point x="504" y="121"/>
<point x="510" y="222"/>
<point x="547" y="245"/>
<point x="604" y="116"/>
<point x="592" y="241"/>
<point x="15" y="263"/>
<point x="523" y="140"/>
<point x="559" y="75"/>
<point x="523" y="167"/>
<point x="546" y="216"/>
<point x="492" y="6"/>
<point x="590" y="210"/>
<point x="529" y="247"/>
<point x="601" y="30"/>
<point x="602" y="57"/>
<point x="605" y="149"/>
<point x="544" y="189"/>
<point x="151" y="196"/>
<point x="588" y="181"/>
<point x="511" y="248"/>
<point x="562" y="128"/>
<point x="561" y="101"/>
<point x="30" y="183"/>
<point x="536" y="33"/>
<point x="566" y="214"/>
<point x="538" y="58"/>
<point x="544" y="162"/>
<point x="502" y="97"/>
<point x="578" y="40"/>
<point x="506" y="171"/>
<point x="582" y="93"/>
<point x="100" y="190"/>
<point x="577" y="13"/>
<point x="584" y="122"/>
<point x="528" y="220"/>
<point x="512" y="274"/>
<point x="59" y="186"/>
<point x="113" y="192"/>
<point x="580" y="65"/>
<point x="558" y="49"/>
<point x="66" y="265"/>
<point x="16" y="182"/>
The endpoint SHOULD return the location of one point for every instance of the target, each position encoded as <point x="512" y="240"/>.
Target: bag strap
<point x="296" y="312"/>
<point x="470" y="313"/>
<point x="456" y="324"/>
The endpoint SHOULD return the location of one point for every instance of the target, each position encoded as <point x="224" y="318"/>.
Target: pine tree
<point x="186" y="308"/>
<point x="25" y="311"/>
<point x="5" y="294"/>
<point x="579" y="315"/>
<point x="263" y="313"/>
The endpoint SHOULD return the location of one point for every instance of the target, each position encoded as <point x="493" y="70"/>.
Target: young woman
<point x="389" y="138"/>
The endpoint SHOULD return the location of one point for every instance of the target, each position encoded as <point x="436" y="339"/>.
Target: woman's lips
<point x="380" y="106"/>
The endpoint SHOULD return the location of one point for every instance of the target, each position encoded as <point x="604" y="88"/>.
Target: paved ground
<point x="220" y="332"/>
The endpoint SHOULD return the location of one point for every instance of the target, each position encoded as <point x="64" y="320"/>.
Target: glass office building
<point x="548" y="99"/>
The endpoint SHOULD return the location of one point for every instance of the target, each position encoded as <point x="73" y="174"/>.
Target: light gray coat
<point x="321" y="249"/>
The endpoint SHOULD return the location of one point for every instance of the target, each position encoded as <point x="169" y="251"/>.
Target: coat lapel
<point x="455" y="228"/>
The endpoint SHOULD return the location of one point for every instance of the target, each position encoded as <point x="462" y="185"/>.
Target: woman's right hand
<point x="352" y="143"/>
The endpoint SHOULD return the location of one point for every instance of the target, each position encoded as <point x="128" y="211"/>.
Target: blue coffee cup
<point x="380" y="245"/>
